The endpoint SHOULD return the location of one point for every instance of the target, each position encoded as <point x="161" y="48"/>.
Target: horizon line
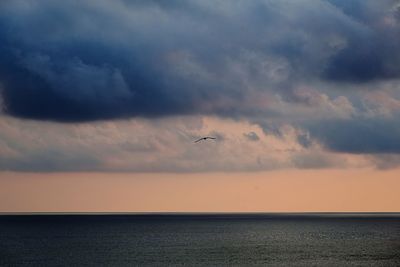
<point x="370" y="213"/>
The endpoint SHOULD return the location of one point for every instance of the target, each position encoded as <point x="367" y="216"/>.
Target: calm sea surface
<point x="207" y="240"/>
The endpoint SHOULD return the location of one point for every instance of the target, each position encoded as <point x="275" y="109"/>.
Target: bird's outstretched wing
<point x="205" y="138"/>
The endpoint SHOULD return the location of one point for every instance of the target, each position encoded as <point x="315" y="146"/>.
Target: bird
<point x="205" y="138"/>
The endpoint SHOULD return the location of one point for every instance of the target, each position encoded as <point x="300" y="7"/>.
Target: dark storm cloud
<point x="62" y="64"/>
<point x="74" y="61"/>
<point x="362" y="136"/>
<point x="366" y="60"/>
<point x="374" y="55"/>
<point x="90" y="60"/>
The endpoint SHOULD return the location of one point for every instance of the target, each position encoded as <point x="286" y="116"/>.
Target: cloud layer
<point x="165" y="145"/>
<point x="330" y="69"/>
<point x="90" y="60"/>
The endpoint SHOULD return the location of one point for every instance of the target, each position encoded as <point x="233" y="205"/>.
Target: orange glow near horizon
<point x="277" y="191"/>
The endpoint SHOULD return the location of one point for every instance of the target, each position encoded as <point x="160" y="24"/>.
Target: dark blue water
<point x="207" y="240"/>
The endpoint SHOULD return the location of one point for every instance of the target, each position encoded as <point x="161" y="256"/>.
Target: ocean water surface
<point x="200" y="240"/>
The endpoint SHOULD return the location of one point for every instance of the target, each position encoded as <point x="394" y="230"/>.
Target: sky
<point x="101" y="97"/>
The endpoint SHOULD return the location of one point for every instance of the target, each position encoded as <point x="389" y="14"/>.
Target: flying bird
<point x="205" y="138"/>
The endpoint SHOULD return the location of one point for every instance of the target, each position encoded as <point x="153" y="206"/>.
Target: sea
<point x="279" y="239"/>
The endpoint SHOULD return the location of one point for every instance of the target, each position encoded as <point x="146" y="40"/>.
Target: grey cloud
<point x="359" y="136"/>
<point x="385" y="161"/>
<point x="371" y="56"/>
<point x="304" y="140"/>
<point x="252" y="136"/>
<point x="89" y="60"/>
<point x="303" y="63"/>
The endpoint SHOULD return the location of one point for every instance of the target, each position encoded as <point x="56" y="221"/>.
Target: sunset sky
<point x="101" y="102"/>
